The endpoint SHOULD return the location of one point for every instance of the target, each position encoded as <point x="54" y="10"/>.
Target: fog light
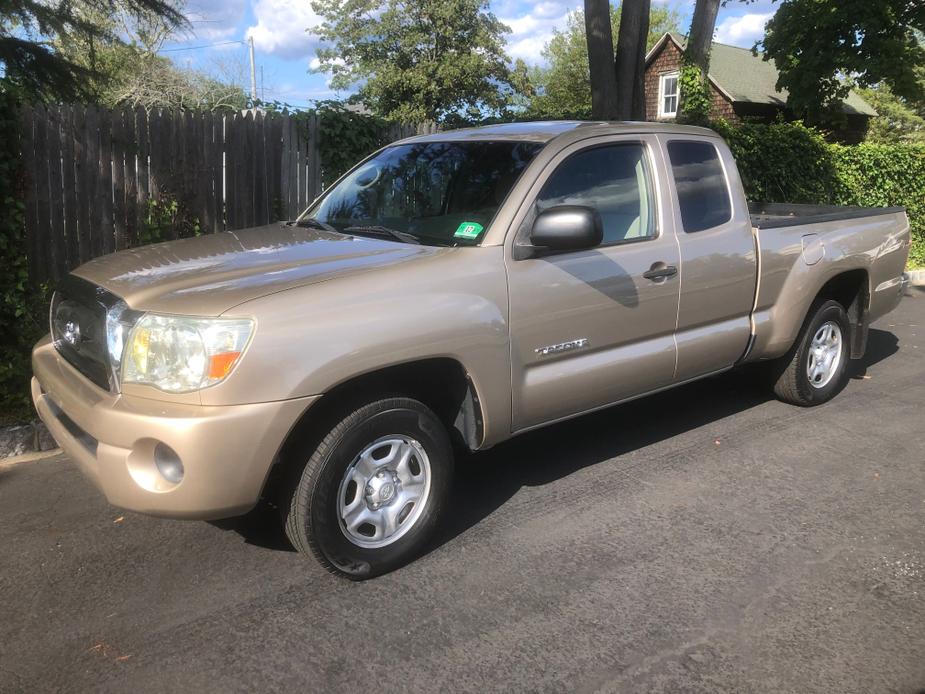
<point x="168" y="463"/>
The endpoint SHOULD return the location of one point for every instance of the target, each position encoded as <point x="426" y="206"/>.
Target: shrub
<point x="23" y="307"/>
<point x="789" y="162"/>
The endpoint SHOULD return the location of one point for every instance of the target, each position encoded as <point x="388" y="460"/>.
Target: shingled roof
<point x="747" y="78"/>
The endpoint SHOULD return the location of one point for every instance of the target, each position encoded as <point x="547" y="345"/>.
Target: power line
<point x="196" y="48"/>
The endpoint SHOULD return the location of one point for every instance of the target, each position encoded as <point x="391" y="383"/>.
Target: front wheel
<point x="372" y="491"/>
<point x="815" y="369"/>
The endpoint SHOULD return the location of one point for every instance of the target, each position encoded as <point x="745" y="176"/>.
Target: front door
<point x="588" y="328"/>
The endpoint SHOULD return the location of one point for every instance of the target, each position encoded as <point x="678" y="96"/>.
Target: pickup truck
<point x="449" y="292"/>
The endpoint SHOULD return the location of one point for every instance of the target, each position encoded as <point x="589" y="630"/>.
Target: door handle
<point x="660" y="272"/>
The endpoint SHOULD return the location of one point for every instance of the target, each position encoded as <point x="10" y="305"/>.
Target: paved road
<point x="705" y="539"/>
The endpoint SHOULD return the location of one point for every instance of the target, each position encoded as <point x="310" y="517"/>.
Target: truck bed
<point x="776" y="215"/>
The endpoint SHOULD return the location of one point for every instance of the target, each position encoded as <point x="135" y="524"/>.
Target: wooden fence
<point x="93" y="175"/>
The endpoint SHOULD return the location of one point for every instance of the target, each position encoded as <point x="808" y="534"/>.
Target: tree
<point x="562" y="88"/>
<point x="694" y="105"/>
<point x="822" y="48"/>
<point x="630" y="63"/>
<point x="30" y="31"/>
<point x="126" y="69"/>
<point x="599" y="34"/>
<point x="418" y="60"/>
<point x="897" y="120"/>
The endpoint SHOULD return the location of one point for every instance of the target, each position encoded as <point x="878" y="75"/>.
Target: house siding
<point x="668" y="59"/>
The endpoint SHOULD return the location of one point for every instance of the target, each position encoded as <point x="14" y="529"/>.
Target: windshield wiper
<point x="376" y="230"/>
<point x="312" y="223"/>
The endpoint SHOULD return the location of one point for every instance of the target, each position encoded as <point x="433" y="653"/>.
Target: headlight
<point x="177" y="354"/>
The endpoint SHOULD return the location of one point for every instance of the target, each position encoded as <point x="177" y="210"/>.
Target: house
<point x="743" y="86"/>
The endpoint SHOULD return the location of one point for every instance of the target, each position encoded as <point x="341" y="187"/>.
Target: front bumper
<point x="226" y="451"/>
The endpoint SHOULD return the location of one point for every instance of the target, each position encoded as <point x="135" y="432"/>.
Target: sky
<point x="285" y="51"/>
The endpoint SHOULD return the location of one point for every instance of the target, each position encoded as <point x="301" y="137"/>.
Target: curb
<point x="29" y="457"/>
<point x="18" y="440"/>
<point x="916" y="278"/>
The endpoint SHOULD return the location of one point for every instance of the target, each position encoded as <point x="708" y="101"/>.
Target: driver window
<point x="614" y="180"/>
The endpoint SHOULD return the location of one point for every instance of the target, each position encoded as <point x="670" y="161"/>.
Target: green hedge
<point x="788" y="162"/>
<point x="23" y="307"/>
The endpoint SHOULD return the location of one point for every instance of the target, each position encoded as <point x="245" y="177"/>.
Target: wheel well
<point x="852" y="290"/>
<point x="440" y="383"/>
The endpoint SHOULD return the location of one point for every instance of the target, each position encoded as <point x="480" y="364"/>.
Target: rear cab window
<point x="703" y="192"/>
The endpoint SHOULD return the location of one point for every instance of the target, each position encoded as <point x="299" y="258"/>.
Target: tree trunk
<point x="701" y="37"/>
<point x="630" y="63"/>
<point x="699" y="43"/>
<point x="600" y="59"/>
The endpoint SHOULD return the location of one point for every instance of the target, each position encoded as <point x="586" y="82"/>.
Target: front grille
<point x="78" y="328"/>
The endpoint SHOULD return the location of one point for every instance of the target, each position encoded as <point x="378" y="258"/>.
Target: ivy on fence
<point x="23" y="306"/>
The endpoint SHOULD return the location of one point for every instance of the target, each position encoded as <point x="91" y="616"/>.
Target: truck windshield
<point x="435" y="193"/>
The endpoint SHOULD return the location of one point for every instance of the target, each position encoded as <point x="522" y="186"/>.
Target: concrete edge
<point x="33" y="457"/>
<point x="916" y="277"/>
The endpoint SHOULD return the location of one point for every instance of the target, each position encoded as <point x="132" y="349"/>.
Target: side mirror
<point x="567" y="228"/>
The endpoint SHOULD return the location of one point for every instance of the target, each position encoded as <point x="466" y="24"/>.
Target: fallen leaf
<point x="123" y="658"/>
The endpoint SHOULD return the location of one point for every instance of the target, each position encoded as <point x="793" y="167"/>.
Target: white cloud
<point x="215" y="19"/>
<point x="281" y="28"/>
<point x="742" y="31"/>
<point x="532" y="26"/>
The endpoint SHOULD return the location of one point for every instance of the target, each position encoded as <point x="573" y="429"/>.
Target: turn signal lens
<point x="221" y="364"/>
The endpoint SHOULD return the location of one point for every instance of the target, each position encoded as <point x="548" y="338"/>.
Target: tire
<point x="399" y="504"/>
<point x="826" y="322"/>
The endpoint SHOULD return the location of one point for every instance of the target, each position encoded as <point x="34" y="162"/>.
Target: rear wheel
<point x="372" y="491"/>
<point x="815" y="369"/>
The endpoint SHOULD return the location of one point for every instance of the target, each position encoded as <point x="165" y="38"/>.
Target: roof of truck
<point x="544" y="131"/>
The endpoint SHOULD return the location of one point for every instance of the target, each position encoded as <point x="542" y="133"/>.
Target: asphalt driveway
<point x="705" y="539"/>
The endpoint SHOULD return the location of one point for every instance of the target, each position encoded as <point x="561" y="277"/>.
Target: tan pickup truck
<point x="451" y="290"/>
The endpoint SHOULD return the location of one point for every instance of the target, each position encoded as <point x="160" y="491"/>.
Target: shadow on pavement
<point x="880" y="345"/>
<point x="486" y="481"/>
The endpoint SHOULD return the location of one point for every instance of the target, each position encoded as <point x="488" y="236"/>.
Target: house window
<point x="668" y="95"/>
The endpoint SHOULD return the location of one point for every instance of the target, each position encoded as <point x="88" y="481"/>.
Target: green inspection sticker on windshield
<point x="468" y="230"/>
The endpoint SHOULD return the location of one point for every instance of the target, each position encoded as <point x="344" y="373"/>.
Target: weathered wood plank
<point x="83" y="182"/>
<point x="157" y="145"/>
<point x="204" y="184"/>
<point x="261" y="215"/>
<point x="245" y="203"/>
<point x="130" y="135"/>
<point x="286" y="209"/>
<point x="107" y="238"/>
<point x="30" y="183"/>
<point x="271" y="140"/>
<point x="217" y="158"/>
<point x="143" y="164"/>
<point x="71" y="230"/>
<point x="43" y="213"/>
<point x="229" y="152"/>
<point x="57" y="246"/>
<point x="314" y="158"/>
<point x="300" y="171"/>
<point x="118" y="179"/>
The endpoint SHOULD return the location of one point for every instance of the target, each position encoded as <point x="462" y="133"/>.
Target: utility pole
<point x="253" y="70"/>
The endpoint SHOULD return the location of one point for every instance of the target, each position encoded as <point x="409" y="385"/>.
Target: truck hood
<point x="211" y="274"/>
